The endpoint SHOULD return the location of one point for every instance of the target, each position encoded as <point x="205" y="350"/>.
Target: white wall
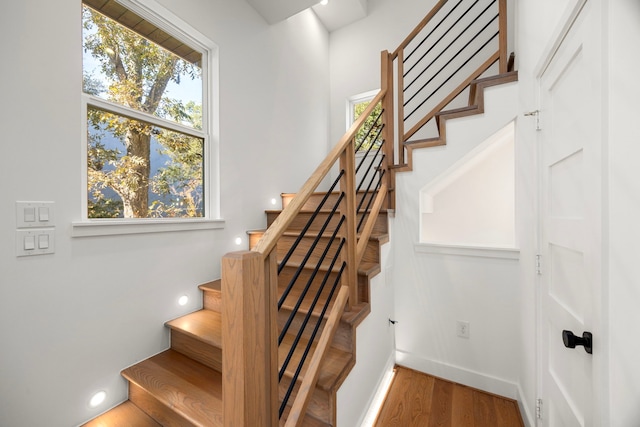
<point x="624" y="211"/>
<point x="69" y="322"/>
<point x="473" y="202"/>
<point x="436" y="288"/>
<point x="375" y="348"/>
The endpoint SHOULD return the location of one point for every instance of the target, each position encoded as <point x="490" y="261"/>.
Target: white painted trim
<point x="168" y="21"/>
<point x="458" y="375"/>
<point x="110" y="227"/>
<point x="568" y="18"/>
<point x="376" y="400"/>
<point x="357" y="99"/>
<point x="471" y="251"/>
<point x="527" y="417"/>
<point x="112" y="107"/>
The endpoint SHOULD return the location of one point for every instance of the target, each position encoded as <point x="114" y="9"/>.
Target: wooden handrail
<point x="279" y="226"/>
<point x="412" y="35"/>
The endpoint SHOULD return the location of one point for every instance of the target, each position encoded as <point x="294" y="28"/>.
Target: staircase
<point x="284" y="315"/>
<point x="182" y="386"/>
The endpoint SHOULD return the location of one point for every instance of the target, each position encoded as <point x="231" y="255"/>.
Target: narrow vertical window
<point x="146" y="120"/>
<point x="366" y="137"/>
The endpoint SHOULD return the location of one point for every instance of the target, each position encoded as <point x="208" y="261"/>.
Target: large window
<point x="147" y="117"/>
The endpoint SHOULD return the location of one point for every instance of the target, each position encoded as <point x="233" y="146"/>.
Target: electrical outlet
<point x="462" y="328"/>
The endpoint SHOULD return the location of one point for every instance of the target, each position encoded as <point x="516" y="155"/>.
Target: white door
<point x="570" y="224"/>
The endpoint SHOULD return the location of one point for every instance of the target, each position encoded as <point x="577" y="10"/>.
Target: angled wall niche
<point x="472" y="203"/>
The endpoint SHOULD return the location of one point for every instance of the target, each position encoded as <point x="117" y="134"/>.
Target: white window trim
<point x="172" y="24"/>
<point x="469" y="251"/>
<point x="357" y="99"/>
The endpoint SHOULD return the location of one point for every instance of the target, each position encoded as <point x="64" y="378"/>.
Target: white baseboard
<point x="377" y="399"/>
<point x="459" y="375"/>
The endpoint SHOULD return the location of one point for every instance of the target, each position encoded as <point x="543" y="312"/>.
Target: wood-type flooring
<point x="419" y="400"/>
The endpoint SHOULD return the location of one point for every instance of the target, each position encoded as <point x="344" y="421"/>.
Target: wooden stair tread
<point x="308" y="421"/>
<point x="351" y="317"/>
<point x="187" y="387"/>
<point x="305" y="305"/>
<point x="471" y="109"/>
<point x="357" y="313"/>
<point x="424" y="143"/>
<point x="507" y="77"/>
<point x="375" y="235"/>
<point x="322" y="211"/>
<point x="366" y="268"/>
<point x="125" y="414"/>
<point x="204" y="325"/>
<point x="215" y="285"/>
<point x="320" y="193"/>
<point x="333" y="365"/>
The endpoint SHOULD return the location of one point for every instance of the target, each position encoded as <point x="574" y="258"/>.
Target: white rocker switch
<point x="29" y="243"/>
<point x="43" y="241"/>
<point x="43" y="214"/>
<point x="29" y="214"/>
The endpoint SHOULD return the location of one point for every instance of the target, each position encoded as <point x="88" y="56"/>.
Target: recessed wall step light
<point x="98" y="398"/>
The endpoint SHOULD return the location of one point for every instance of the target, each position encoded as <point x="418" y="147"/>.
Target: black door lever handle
<point x="571" y="341"/>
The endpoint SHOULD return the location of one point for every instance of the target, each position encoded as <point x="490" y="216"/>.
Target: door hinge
<point x="539" y="264"/>
<point x="536" y="114"/>
<point x="539" y="409"/>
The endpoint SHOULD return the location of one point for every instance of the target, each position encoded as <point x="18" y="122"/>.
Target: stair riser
<point x="286" y="242"/>
<point x="314" y="201"/>
<point x="320" y="405"/>
<point x="212" y="300"/>
<point x="288" y="272"/>
<point x="197" y="350"/>
<point x="300" y="221"/>
<point x="342" y="340"/>
<point x="156" y="409"/>
<point x="254" y="238"/>
<point x="371" y="254"/>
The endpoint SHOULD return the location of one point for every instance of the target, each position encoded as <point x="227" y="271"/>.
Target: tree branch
<point x="166" y="71"/>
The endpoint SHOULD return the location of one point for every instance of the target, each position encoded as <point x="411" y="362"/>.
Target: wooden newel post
<point x="249" y="375"/>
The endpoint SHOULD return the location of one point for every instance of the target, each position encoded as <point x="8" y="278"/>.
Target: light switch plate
<point x="35" y="238"/>
<point x="35" y="214"/>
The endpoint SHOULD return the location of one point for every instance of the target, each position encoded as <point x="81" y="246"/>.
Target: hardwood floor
<point x="419" y="400"/>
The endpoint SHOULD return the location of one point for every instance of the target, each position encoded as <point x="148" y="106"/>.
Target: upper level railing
<point x="457" y="42"/>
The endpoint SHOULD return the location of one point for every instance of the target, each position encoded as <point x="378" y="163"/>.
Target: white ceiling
<point x="334" y="15"/>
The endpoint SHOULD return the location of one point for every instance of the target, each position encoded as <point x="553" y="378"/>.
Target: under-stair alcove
<point x="472" y="203"/>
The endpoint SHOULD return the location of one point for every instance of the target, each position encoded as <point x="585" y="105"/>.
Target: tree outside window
<point x="368" y="135"/>
<point x="145" y="139"/>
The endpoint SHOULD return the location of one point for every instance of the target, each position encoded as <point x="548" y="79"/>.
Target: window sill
<point x="106" y="227"/>
<point x="471" y="251"/>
